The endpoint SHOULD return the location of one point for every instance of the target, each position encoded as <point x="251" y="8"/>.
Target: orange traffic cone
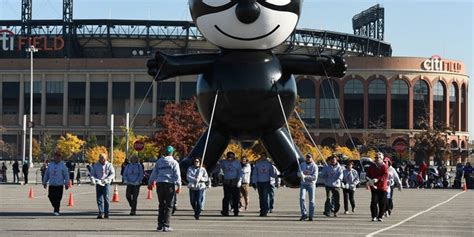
<point x="69" y="185"/>
<point x="115" y="198"/>
<point x="465" y="187"/>
<point x="71" y="200"/>
<point x="150" y="195"/>
<point x="31" y="194"/>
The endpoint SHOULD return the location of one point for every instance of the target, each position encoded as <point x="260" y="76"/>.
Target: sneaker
<point x="167" y="229"/>
<point x="106" y="216"/>
<point x="236" y="214"/>
<point x="263" y="214"/>
<point x="56" y="213"/>
<point x="100" y="216"/>
<point x="224" y="213"/>
<point x="374" y="219"/>
<point x="379" y="219"/>
<point x="310" y="219"/>
<point x="353" y="209"/>
<point x="196" y="217"/>
<point x="302" y="218"/>
<point x="335" y="214"/>
<point x="159" y="228"/>
<point x="346" y="212"/>
<point x="271" y="210"/>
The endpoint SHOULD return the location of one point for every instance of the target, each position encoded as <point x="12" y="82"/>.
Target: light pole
<point x="31" y="50"/>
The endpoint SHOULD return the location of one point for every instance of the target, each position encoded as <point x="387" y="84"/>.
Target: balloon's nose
<point x="247" y="11"/>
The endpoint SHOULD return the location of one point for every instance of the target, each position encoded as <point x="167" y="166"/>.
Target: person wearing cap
<point x="350" y="181"/>
<point x="244" y="188"/>
<point x="332" y="174"/>
<point x="275" y="182"/>
<point x="377" y="176"/>
<point x="102" y="175"/>
<point x="231" y="184"/>
<point x="308" y="175"/>
<point x="393" y="179"/>
<point x="57" y="177"/>
<point x="261" y="175"/>
<point x="197" y="183"/>
<point x="167" y="176"/>
<point x="132" y="177"/>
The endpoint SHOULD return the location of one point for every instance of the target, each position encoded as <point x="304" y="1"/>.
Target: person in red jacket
<point x="377" y="176"/>
<point x="424" y="174"/>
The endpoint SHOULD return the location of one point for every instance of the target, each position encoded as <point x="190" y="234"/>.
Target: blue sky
<point x="419" y="28"/>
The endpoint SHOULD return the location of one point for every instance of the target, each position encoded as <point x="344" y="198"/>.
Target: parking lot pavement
<point x="417" y="213"/>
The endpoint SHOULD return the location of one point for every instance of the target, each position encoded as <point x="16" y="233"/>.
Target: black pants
<point x="377" y="204"/>
<point x="132" y="196"/>
<point x="348" y="196"/>
<point x="25" y="175"/>
<point x="55" y="194"/>
<point x="332" y="200"/>
<point x="165" y="192"/>
<point x="231" y="197"/>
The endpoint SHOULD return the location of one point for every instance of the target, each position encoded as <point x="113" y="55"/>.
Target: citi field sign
<point x="436" y="64"/>
<point x="11" y="42"/>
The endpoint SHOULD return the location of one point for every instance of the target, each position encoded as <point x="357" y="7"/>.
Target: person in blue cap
<point x="167" y="176"/>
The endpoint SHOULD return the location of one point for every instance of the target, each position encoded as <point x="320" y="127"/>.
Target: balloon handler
<point x="245" y="85"/>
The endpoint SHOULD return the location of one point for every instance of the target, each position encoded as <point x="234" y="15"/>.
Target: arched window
<point x="463" y="108"/>
<point x="453" y="106"/>
<point x="400" y="104"/>
<point x="354" y="104"/>
<point x="307" y="94"/>
<point x="329" y="107"/>
<point x="377" y="104"/>
<point x="420" y="105"/>
<point x="439" y="105"/>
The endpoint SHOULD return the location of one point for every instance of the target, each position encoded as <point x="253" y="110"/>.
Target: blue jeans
<point x="196" y="197"/>
<point x="271" y="196"/>
<point x="264" y="196"/>
<point x="102" y="194"/>
<point x="310" y="188"/>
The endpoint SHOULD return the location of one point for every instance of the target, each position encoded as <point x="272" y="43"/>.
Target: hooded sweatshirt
<point x="57" y="174"/>
<point x="332" y="175"/>
<point x="310" y="171"/>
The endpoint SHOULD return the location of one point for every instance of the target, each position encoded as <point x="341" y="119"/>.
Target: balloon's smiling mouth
<point x="247" y="39"/>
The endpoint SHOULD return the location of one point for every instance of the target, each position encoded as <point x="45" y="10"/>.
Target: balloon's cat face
<point x="246" y="24"/>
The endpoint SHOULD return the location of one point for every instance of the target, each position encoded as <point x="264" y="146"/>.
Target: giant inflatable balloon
<point x="247" y="76"/>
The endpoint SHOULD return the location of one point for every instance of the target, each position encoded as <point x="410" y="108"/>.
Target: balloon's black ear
<point x="339" y="67"/>
<point x="156" y="65"/>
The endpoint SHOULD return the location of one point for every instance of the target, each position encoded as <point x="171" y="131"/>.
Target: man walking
<point x="132" y="177"/>
<point x="102" y="175"/>
<point x="57" y="176"/>
<point x="167" y="176"/>
<point x="231" y="184"/>
<point x="377" y="176"/>
<point x="16" y="171"/>
<point x="261" y="175"/>
<point x="332" y="174"/>
<point x="25" y="168"/>
<point x="308" y="176"/>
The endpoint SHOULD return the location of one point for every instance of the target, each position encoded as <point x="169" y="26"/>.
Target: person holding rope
<point x="244" y="188"/>
<point x="231" y="184"/>
<point x="377" y="175"/>
<point x="132" y="177"/>
<point x="262" y="173"/>
<point x="350" y="181"/>
<point x="332" y="174"/>
<point x="198" y="181"/>
<point x="167" y="176"/>
<point x="308" y="176"/>
<point x="393" y="179"/>
<point x="102" y="175"/>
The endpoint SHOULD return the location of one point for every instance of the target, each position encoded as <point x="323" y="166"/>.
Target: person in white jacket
<point x="57" y="176"/>
<point x="393" y="179"/>
<point x="132" y="177"/>
<point x="350" y="181"/>
<point x="308" y="176"/>
<point x="102" y="175"/>
<point x="244" y="188"/>
<point x="198" y="181"/>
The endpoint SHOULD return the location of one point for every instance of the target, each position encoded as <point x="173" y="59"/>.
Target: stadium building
<point x="87" y="70"/>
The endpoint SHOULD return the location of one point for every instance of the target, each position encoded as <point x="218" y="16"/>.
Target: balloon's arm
<point x="323" y="65"/>
<point x="164" y="66"/>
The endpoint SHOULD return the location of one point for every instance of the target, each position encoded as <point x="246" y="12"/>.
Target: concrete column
<point x="43" y="99"/>
<point x="87" y="110"/>
<point x="458" y="106"/>
<point x="21" y="103"/>
<point x="447" y="105"/>
<point x="132" y="96"/>
<point x="154" y="100"/>
<point x="177" y="90"/>
<point x="467" y="108"/>
<point x="109" y="99"/>
<point x="430" y="107"/>
<point x="65" y="100"/>
<point x="410" y="107"/>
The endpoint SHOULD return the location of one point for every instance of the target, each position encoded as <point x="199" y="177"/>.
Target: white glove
<point x="92" y="181"/>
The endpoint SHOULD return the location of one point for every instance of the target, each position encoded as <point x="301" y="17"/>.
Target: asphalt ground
<point x="440" y="212"/>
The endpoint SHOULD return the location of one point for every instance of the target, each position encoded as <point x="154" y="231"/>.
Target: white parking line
<point x="411" y="217"/>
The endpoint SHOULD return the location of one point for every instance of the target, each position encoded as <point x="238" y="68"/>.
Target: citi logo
<point x="8" y="40"/>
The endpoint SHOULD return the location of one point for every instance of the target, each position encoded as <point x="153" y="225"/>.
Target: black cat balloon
<point x="247" y="75"/>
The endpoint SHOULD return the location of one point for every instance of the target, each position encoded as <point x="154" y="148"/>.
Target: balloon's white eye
<point x="215" y="3"/>
<point x="279" y="2"/>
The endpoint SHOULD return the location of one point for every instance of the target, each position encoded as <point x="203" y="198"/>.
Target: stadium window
<point x="354" y="103"/>
<point x="377" y="104"/>
<point x="76" y="98"/>
<point x="10" y="97"/>
<point x="166" y="92"/>
<point x="36" y="97"/>
<point x="453" y="106"/>
<point x="439" y="105"/>
<point x="54" y="97"/>
<point x="120" y="97"/>
<point x="329" y="107"/>
<point x="98" y="98"/>
<point x="187" y="90"/>
<point x="400" y="104"/>
<point x="420" y="104"/>
<point x="307" y="95"/>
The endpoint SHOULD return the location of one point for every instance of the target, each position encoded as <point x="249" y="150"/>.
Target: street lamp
<point x="31" y="50"/>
